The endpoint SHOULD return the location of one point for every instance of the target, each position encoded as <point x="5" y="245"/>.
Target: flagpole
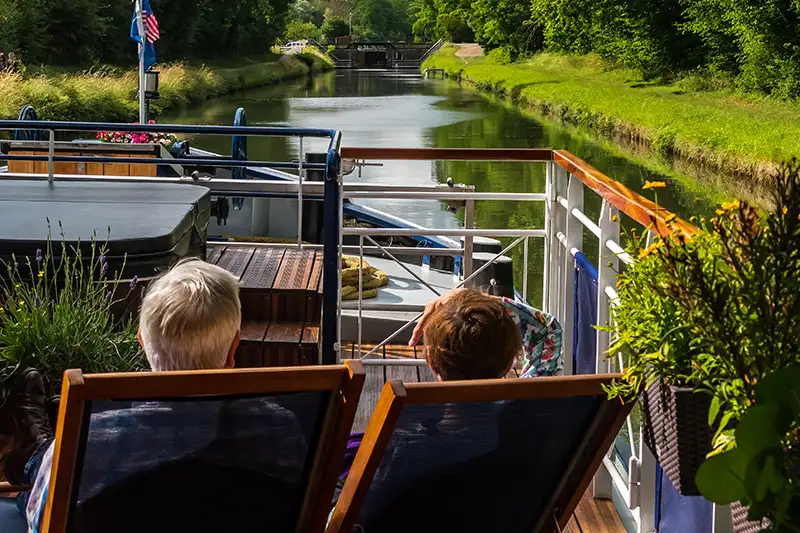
<point x="142" y="36"/>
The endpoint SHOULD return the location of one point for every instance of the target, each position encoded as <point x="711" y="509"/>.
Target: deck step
<point x="280" y="343"/>
<point x="277" y="283"/>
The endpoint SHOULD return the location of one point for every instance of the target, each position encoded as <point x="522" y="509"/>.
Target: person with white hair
<point x="190" y="320"/>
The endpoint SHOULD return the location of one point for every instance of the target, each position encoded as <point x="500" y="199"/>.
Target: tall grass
<point x="711" y="127"/>
<point x="108" y="96"/>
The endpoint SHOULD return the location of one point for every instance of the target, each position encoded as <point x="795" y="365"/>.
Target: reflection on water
<point x="385" y="109"/>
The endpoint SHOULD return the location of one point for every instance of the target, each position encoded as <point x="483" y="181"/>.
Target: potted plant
<point x="704" y="320"/>
<point x="56" y="314"/>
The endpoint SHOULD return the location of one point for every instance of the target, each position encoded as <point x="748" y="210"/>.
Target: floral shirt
<point x="541" y="340"/>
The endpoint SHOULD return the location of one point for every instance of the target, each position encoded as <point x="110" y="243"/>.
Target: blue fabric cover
<point x="474" y="467"/>
<point x="204" y="464"/>
<point x="680" y="514"/>
<point x="585" y="341"/>
<point x="11" y="520"/>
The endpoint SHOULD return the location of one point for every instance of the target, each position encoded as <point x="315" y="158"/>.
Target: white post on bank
<point x="143" y="37"/>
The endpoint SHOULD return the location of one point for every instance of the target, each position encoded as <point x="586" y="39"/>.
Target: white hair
<point x="189" y="317"/>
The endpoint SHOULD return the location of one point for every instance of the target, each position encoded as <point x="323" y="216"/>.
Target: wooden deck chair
<point x="511" y="455"/>
<point x="227" y="450"/>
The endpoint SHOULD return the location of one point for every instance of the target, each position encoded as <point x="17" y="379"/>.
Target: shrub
<point x="55" y="314"/>
<point x="501" y="55"/>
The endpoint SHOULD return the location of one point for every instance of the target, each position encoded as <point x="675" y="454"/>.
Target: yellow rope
<point x="372" y="279"/>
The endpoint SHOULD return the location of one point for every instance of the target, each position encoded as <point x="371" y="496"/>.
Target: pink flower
<point x="151" y="121"/>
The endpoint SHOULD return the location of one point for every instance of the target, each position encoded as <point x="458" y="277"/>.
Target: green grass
<point x="720" y="130"/>
<point x="107" y="96"/>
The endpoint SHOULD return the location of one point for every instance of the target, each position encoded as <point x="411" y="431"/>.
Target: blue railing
<point x="330" y="168"/>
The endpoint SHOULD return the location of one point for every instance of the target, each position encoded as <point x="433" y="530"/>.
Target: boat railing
<point x="220" y="187"/>
<point x="567" y="181"/>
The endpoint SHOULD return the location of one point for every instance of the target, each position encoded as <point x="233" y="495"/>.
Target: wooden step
<point x="277" y="283"/>
<point x="277" y="343"/>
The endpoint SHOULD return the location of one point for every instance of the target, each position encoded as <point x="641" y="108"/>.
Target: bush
<point x="501" y="55"/>
<point x="55" y="314"/>
<point x="298" y="31"/>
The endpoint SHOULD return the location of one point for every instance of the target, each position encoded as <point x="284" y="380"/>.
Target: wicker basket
<point x="676" y="431"/>
<point x="740" y="522"/>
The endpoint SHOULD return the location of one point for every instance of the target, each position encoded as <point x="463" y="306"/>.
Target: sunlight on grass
<point x="723" y="129"/>
<point x="108" y="96"/>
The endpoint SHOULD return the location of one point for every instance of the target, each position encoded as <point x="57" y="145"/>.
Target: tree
<point x="306" y="11"/>
<point x="297" y="31"/>
<point x="334" y="27"/>
<point x="505" y="23"/>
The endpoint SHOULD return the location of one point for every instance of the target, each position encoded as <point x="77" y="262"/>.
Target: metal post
<point x="331" y="284"/>
<point x="607" y="268"/>
<point x="142" y="36"/>
<point x="574" y="236"/>
<point x="469" y="223"/>
<point x="51" y="165"/>
<point x="360" y="289"/>
<point x="300" y="196"/>
<point x="548" y="239"/>
<point x="525" y="270"/>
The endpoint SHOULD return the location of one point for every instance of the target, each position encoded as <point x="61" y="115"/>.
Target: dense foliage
<point x="755" y="44"/>
<point x="720" y="313"/>
<point x="370" y="20"/>
<point x="80" y="32"/>
<point x="56" y="314"/>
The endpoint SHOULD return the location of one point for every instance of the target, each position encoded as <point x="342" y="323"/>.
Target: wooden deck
<point x="281" y="294"/>
<point x="591" y="516"/>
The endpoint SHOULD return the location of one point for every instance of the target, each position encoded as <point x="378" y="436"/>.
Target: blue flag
<point x="151" y="35"/>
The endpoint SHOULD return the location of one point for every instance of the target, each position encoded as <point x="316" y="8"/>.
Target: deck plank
<point x="235" y="259"/>
<point x="214" y="253"/>
<point x="263" y="268"/>
<point x="295" y="270"/>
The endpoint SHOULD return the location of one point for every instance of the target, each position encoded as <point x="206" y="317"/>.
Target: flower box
<point x="677" y="432"/>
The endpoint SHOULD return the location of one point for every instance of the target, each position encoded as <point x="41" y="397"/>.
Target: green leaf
<point x="720" y="479"/>
<point x="756" y="432"/>
<point x="723" y="427"/>
<point x="760" y="474"/>
<point x="781" y="388"/>
<point x="713" y="411"/>
<point x="765" y="478"/>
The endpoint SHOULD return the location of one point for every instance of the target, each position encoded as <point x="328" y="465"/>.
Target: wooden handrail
<point x="449" y="154"/>
<point x="644" y="211"/>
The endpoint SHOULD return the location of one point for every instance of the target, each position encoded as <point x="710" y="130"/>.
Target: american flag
<point x="150" y="23"/>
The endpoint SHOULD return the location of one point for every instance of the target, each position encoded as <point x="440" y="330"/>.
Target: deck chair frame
<point x="564" y="499"/>
<point x="344" y="381"/>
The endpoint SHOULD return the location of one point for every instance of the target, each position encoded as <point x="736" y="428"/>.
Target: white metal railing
<point x="565" y="225"/>
<point x="638" y="488"/>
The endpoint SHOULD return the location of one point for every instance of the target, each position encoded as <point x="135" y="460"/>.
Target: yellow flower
<point x="727" y="206"/>
<point x="720" y="212"/>
<point x="615" y="218"/>
<point x="785" y="210"/>
<point x="2" y="310"/>
<point x="21" y="303"/>
<point x="650" y="249"/>
<point x="654" y="185"/>
<point x="41" y="273"/>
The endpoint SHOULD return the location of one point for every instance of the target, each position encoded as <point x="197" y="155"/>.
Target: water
<point x="384" y="109"/>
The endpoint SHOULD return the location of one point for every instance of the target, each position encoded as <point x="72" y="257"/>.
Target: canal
<point x="388" y="109"/>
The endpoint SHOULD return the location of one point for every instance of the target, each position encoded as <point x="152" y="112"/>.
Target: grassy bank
<point x="717" y="130"/>
<point x="108" y="96"/>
